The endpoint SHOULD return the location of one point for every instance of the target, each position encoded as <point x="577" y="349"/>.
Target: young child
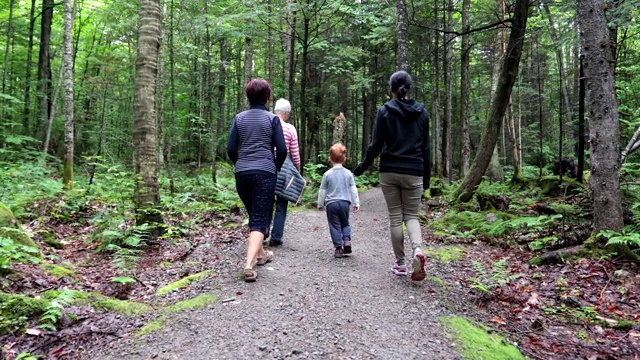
<point x="338" y="193"/>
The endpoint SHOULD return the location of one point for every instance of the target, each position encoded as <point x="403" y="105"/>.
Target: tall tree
<point x="26" y="112"/>
<point x="499" y="102"/>
<point x="465" y="84"/>
<point x="437" y="135"/>
<point x="5" y="73"/>
<point x="403" y="63"/>
<point x="600" y="98"/>
<point x="44" y="65"/>
<point x="146" y="193"/>
<point x="448" y="105"/>
<point x="67" y="175"/>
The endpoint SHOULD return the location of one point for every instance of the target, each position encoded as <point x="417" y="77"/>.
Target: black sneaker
<point x="339" y="253"/>
<point x="347" y="246"/>
<point x="274" y="242"/>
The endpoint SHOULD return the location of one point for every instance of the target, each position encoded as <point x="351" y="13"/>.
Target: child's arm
<point x="322" y="193"/>
<point x="355" y="199"/>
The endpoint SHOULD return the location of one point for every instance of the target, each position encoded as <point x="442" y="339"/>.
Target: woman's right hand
<point x="359" y="170"/>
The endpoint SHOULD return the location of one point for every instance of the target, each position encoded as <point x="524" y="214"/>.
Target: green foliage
<point x="15" y="311"/>
<point x="470" y="338"/>
<point x="25" y="356"/>
<point x="629" y="237"/>
<point x="53" y="311"/>
<point x="123" y="280"/>
<point x="11" y="252"/>
<point x="491" y="277"/>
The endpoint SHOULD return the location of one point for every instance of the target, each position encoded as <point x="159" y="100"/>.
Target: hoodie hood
<point x="404" y="109"/>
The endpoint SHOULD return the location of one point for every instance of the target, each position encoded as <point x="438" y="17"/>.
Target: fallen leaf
<point x="34" y="332"/>
<point x="238" y="292"/>
<point x="534" y="300"/>
<point x="498" y="321"/>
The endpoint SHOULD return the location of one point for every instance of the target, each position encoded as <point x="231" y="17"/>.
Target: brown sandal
<point x="250" y="275"/>
<point x="260" y="261"/>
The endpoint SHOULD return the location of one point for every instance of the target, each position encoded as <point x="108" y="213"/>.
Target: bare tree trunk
<point x="539" y="81"/>
<point x="44" y="65"/>
<point x="160" y="93"/>
<point x="448" y="106"/>
<point x="270" y="46"/>
<point x="494" y="171"/>
<point x="67" y="175"/>
<point x="604" y="132"/>
<point x="26" y="113"/>
<point x="172" y="85"/>
<point x="5" y="73"/>
<point x="146" y="193"/>
<point x="437" y="136"/>
<point x="52" y="111"/>
<point x="248" y="58"/>
<point x="499" y="103"/>
<point x="566" y="99"/>
<point x="291" y="65"/>
<point x="465" y="84"/>
<point x="222" y="78"/>
<point x="403" y="64"/>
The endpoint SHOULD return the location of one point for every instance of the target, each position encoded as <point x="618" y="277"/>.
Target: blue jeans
<point x="338" y="217"/>
<point x="279" y="218"/>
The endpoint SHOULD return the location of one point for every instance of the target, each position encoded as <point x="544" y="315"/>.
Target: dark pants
<point x="338" y="217"/>
<point x="256" y="191"/>
<point x="279" y="218"/>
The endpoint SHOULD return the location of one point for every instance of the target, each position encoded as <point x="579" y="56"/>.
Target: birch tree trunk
<point x="604" y="131"/>
<point x="67" y="175"/>
<point x="499" y="103"/>
<point x="146" y="193"/>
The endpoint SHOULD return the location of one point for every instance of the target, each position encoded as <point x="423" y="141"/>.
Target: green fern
<point x="53" y="312"/>
<point x="497" y="275"/>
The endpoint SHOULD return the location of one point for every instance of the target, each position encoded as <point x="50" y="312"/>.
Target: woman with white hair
<point x="283" y="109"/>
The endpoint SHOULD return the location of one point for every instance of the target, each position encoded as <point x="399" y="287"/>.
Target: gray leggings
<point x="402" y="194"/>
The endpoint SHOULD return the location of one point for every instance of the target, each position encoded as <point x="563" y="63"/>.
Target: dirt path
<point x="306" y="304"/>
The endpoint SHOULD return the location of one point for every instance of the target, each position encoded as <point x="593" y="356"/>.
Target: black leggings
<point x="256" y="190"/>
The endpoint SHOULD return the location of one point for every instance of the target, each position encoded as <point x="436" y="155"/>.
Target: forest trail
<point x="308" y="305"/>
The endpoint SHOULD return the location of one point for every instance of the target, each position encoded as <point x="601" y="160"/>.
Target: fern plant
<point x="489" y="279"/>
<point x="53" y="312"/>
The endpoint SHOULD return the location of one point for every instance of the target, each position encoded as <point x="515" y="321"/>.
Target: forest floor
<point x="307" y="304"/>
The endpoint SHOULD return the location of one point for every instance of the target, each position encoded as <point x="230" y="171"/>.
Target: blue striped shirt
<point x="254" y="134"/>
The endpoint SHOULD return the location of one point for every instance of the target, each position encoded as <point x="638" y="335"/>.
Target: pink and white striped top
<point x="291" y="139"/>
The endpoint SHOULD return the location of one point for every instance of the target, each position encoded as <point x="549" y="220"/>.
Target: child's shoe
<point x="338" y="253"/>
<point x="419" y="260"/>
<point x="347" y="246"/>
<point x="400" y="270"/>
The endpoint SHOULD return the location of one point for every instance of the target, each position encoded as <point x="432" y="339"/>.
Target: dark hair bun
<point x="400" y="83"/>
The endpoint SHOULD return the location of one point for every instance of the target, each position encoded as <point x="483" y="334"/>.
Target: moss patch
<point x="6" y="217"/>
<point x="197" y="303"/>
<point x="437" y="281"/>
<point x="445" y="254"/>
<point x="474" y="343"/>
<point x="127" y="308"/>
<point x="19" y="236"/>
<point x="151" y="327"/>
<point x="58" y="271"/>
<point x="50" y="239"/>
<point x="15" y="310"/>
<point x="184" y="282"/>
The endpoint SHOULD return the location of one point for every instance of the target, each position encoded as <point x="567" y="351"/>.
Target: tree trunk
<point x="539" y="81"/>
<point x="52" y="111"/>
<point x="172" y="85"/>
<point x="270" y="46"/>
<point x="499" y="103"/>
<point x="44" y="65"/>
<point x="248" y="58"/>
<point x="581" y="134"/>
<point x="26" y="113"/>
<point x="566" y="99"/>
<point x="604" y="132"/>
<point x="160" y="93"/>
<point x="448" y="106"/>
<point x="146" y="193"/>
<point x="222" y="78"/>
<point x="465" y="84"/>
<point x="437" y="136"/>
<point x="494" y="170"/>
<point x="291" y="65"/>
<point x="5" y="73"/>
<point x="67" y="175"/>
<point x="402" y="35"/>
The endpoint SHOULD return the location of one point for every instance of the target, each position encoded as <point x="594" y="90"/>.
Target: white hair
<point x="282" y="106"/>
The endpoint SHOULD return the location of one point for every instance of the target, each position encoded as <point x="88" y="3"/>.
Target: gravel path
<point x="308" y="305"/>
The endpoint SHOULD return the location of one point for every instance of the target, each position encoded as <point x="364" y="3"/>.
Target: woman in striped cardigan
<point x="253" y="136"/>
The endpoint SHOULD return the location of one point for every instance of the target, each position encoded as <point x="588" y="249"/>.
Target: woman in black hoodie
<point x="402" y="135"/>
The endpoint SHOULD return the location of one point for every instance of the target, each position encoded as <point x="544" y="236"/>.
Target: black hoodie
<point x="402" y="134"/>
